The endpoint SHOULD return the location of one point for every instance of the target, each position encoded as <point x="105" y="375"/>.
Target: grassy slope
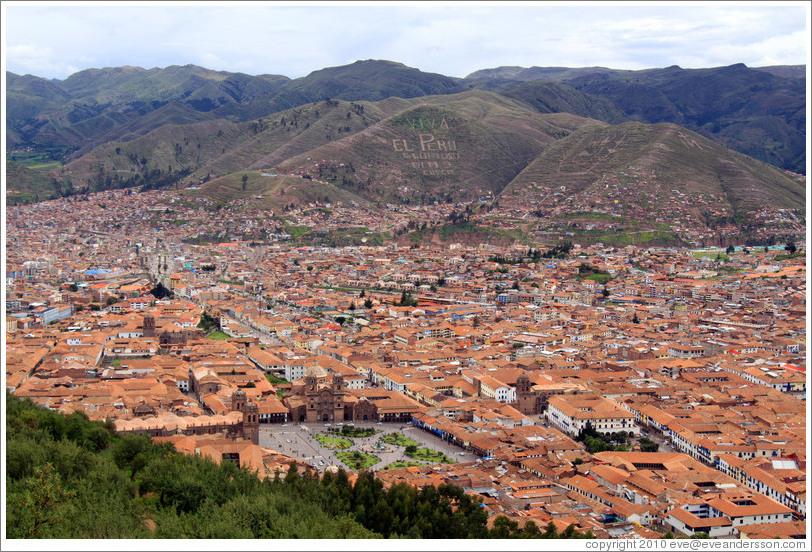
<point x="24" y="185"/>
<point x="681" y="159"/>
<point x="499" y="137"/>
<point x="503" y="147"/>
<point x="270" y="192"/>
<point x="493" y="136"/>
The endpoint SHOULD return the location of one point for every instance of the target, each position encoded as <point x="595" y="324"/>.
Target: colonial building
<point x="572" y="414"/>
<point x="321" y="398"/>
<point x="532" y="399"/>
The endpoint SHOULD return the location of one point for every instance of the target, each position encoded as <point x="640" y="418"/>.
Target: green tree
<point x="569" y="532"/>
<point x="550" y="532"/>
<point x="531" y="530"/>
<point x="41" y="508"/>
<point x="160" y="291"/>
<point x="647" y="445"/>
<point x="504" y="528"/>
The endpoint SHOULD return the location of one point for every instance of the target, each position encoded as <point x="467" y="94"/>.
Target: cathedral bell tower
<point x="250" y="422"/>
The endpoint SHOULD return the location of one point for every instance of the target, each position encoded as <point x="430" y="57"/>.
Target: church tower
<point x="339" y="392"/>
<point x="149" y="325"/>
<point x="525" y="398"/>
<point x="250" y="422"/>
<point x="238" y="401"/>
<point x="338" y="383"/>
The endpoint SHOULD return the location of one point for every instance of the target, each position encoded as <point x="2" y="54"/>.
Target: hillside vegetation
<point x="24" y="185"/>
<point x="667" y="156"/>
<point x="756" y="111"/>
<point x="380" y="132"/>
<point x="438" y="148"/>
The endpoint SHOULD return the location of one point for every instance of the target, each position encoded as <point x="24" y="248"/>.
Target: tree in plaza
<point x="160" y="291"/>
<point x="647" y="445"/>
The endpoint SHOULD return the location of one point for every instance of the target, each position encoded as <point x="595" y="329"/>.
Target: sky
<point x="56" y="39"/>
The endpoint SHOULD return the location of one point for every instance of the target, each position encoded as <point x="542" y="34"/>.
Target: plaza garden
<point x="340" y="441"/>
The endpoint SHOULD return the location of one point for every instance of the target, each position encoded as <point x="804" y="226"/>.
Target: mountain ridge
<point x="760" y="111"/>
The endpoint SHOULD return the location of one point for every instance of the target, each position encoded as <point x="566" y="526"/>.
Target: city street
<point x="294" y="440"/>
<point x="657" y="437"/>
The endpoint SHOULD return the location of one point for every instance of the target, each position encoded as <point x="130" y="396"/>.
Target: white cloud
<point x="453" y="39"/>
<point x="38" y="60"/>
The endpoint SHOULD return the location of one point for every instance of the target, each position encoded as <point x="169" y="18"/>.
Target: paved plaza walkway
<point x="295" y="440"/>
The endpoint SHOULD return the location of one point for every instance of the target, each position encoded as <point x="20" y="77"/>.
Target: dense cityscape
<point x="615" y="392"/>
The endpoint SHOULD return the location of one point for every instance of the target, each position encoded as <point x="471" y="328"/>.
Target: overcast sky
<point x="451" y="38"/>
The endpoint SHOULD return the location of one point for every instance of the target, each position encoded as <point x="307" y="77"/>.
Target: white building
<point x="571" y="414"/>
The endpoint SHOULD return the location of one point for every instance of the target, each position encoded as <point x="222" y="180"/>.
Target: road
<point x="658" y="438"/>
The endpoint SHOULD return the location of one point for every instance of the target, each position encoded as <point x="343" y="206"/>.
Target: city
<point x="626" y="392"/>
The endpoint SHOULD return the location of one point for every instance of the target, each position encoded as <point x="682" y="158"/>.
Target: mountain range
<point x="381" y="131"/>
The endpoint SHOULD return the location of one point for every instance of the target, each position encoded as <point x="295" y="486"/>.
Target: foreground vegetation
<point x="68" y="477"/>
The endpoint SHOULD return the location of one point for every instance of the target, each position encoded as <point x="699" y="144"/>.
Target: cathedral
<point x="322" y="397"/>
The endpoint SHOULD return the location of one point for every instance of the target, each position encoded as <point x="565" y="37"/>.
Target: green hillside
<point x="369" y="80"/>
<point x="195" y="153"/>
<point x="550" y="97"/>
<point x="475" y="143"/>
<point x="757" y="111"/>
<point x="665" y="158"/>
<point x="470" y="146"/>
<point x="268" y="191"/>
<point x="24" y="185"/>
<point x="438" y="149"/>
